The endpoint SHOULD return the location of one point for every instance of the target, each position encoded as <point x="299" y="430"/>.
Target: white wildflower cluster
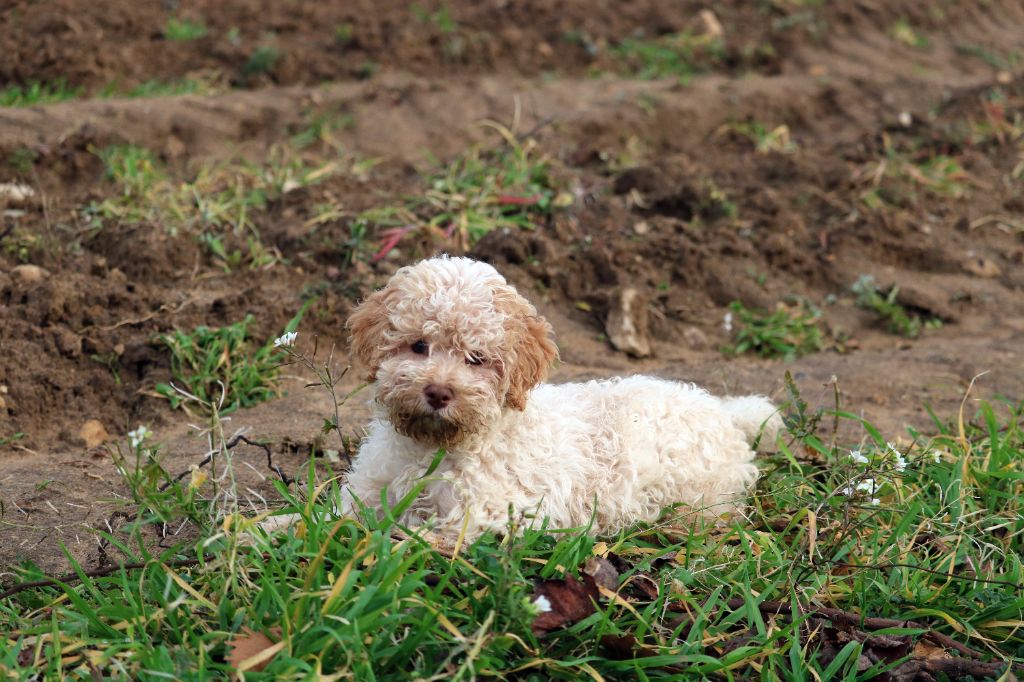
<point x="858" y="457"/>
<point x="138" y="436"/>
<point x="868" y="486"/>
<point x="287" y="340"/>
<point x="727" y="323"/>
<point x="899" y="462"/>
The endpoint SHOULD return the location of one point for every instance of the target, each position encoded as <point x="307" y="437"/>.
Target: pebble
<point x="29" y="274"/>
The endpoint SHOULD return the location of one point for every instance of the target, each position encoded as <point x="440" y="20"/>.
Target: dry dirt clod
<point x="29" y="274"/>
<point x="68" y="343"/>
<point x="627" y="325"/>
<point x="93" y="433"/>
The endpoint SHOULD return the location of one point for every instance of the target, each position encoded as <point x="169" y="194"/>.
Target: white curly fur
<point x="612" y="452"/>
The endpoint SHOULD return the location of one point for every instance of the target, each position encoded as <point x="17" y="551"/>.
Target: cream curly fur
<point x="457" y="358"/>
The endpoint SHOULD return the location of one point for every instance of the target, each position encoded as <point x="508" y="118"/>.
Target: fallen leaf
<point x="925" y="649"/>
<point x="625" y="647"/>
<point x="250" y="650"/>
<point x="563" y="602"/>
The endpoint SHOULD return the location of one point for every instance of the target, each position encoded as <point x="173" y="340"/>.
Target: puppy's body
<point x="631" y="446"/>
<point x="457" y="357"/>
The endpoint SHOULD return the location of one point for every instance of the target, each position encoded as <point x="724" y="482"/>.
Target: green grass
<point x="184" y="30"/>
<point x="37" y="93"/>
<point x="786" y="332"/>
<point x="220" y="366"/>
<point x="262" y="60"/>
<point x="898" y="179"/>
<point x="902" y="31"/>
<point x="935" y="537"/>
<point x="889" y="311"/>
<point x="766" y="139"/>
<point x="484" y="189"/>
<point x="218" y="203"/>
<point x="679" y="55"/>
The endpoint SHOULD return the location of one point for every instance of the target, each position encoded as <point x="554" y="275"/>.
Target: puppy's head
<point x="450" y="344"/>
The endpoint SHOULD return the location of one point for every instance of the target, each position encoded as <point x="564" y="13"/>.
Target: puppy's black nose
<point x="438" y="396"/>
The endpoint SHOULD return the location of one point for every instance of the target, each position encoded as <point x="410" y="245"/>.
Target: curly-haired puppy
<point x="457" y="357"/>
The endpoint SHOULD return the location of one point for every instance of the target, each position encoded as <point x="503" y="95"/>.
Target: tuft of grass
<point x="482" y="190"/>
<point x="135" y="169"/>
<point x="897" y="179"/>
<point x="903" y="32"/>
<point x="766" y="139"/>
<point x="321" y="128"/>
<point x="1004" y="62"/>
<point x="787" y="332"/>
<point x="184" y="30"/>
<point x="185" y="86"/>
<point x="262" y="60"/>
<point x="679" y="55"/>
<point x="218" y="205"/>
<point x="927" y="532"/>
<point x="220" y="366"/>
<point x="32" y="94"/>
<point x="344" y="34"/>
<point x="896" y="318"/>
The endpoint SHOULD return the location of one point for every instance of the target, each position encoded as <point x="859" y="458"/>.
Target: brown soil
<point x="648" y="163"/>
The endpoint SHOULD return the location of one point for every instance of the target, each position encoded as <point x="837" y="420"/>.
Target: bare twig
<point x="285" y="478"/>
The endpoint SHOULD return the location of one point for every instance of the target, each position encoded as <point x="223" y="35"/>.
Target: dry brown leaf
<point x="562" y="602"/>
<point x="925" y="649"/>
<point x="250" y="650"/>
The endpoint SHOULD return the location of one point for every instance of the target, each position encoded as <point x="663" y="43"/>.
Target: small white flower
<point x="286" y="339"/>
<point x="937" y="457"/>
<point x="727" y="323"/>
<point x="901" y="463"/>
<point x="542" y="603"/>
<point x="875" y="501"/>
<point x="858" y="457"/>
<point x="867" y="485"/>
<point x="138" y="436"/>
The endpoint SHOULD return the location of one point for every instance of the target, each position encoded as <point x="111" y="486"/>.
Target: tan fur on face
<point x="368" y="323"/>
<point x="461" y="309"/>
<point x="531" y="350"/>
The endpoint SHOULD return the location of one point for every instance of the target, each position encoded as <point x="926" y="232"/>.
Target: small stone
<point x="627" y="325"/>
<point x="93" y="433"/>
<point x="696" y="339"/>
<point x="642" y="227"/>
<point x="906" y="119"/>
<point x="29" y="274"/>
<point x="982" y="267"/>
<point x="15" y="193"/>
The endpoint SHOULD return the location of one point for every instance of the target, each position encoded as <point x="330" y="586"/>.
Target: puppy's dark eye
<point x="474" y="359"/>
<point x="420" y="347"/>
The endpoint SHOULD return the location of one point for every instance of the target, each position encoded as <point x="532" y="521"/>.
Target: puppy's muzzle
<point x="438" y="396"/>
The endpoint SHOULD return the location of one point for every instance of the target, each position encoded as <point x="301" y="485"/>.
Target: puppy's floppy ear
<point x="530" y="350"/>
<point x="368" y="322"/>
